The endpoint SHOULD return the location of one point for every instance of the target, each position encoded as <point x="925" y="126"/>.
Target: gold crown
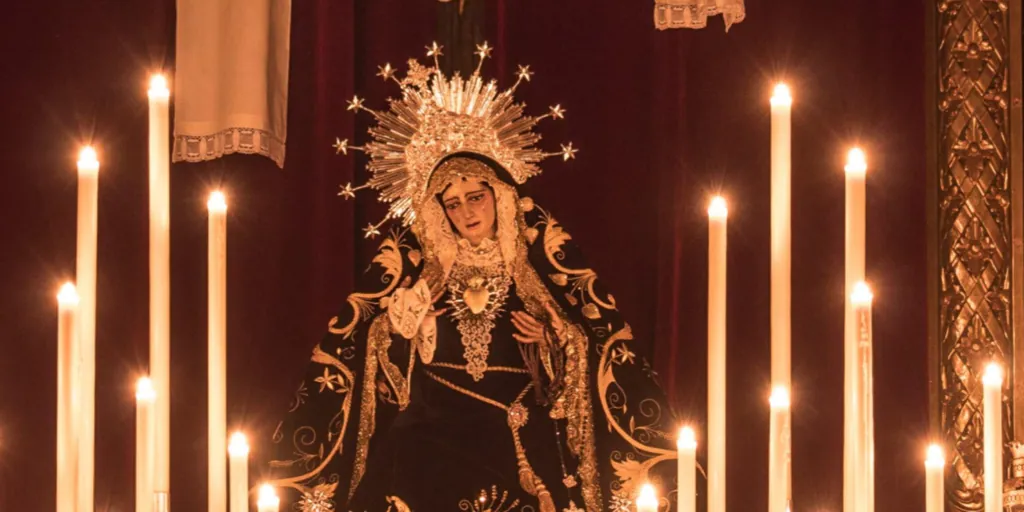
<point x="436" y="117"/>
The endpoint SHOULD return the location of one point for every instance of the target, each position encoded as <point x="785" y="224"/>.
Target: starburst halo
<point x="436" y="116"/>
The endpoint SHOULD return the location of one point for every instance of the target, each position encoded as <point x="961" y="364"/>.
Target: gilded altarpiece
<point x="975" y="228"/>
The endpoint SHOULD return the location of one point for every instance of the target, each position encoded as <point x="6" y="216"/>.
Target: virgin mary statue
<point x="481" y="366"/>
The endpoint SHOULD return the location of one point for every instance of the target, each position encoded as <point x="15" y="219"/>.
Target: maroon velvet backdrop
<point x="663" y="119"/>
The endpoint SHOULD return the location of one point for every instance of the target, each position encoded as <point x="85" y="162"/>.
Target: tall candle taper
<point x="781" y="280"/>
<point x="68" y="399"/>
<point x="686" y="488"/>
<point x="647" y="501"/>
<point x="718" y="214"/>
<point x="863" y="410"/>
<point x="934" y="466"/>
<point x="856" y="169"/>
<point x="993" y="427"/>
<point x="778" y="451"/>
<point x="85" y="277"/>
<point x="238" y="449"/>
<point x="217" y="352"/>
<point x="268" y="500"/>
<point x="145" y="444"/>
<point x="781" y="144"/>
<point x="160" y="276"/>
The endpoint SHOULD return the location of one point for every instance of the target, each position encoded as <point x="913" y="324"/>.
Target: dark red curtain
<point x="663" y="119"/>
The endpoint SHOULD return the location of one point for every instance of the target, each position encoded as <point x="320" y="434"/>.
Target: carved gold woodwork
<point x="973" y="230"/>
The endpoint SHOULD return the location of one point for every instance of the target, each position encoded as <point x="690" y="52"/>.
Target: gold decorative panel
<point x="973" y="239"/>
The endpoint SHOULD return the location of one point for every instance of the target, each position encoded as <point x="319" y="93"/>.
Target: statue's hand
<point x="532" y="330"/>
<point x="408" y="307"/>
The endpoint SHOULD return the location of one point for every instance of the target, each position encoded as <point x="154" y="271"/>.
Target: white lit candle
<point x="778" y="451"/>
<point x="68" y="398"/>
<point x="160" y="276"/>
<point x="934" y="466"/>
<point x="238" y="450"/>
<point x="85" y="277"/>
<point x="687" y="470"/>
<point x="145" y="444"/>
<point x="268" y="500"/>
<point x="781" y="239"/>
<point x="993" y="425"/>
<point x="217" y="352"/>
<point x="781" y="177"/>
<point x="647" y="501"/>
<point x="856" y="169"/>
<point x="863" y="410"/>
<point x="718" y="214"/>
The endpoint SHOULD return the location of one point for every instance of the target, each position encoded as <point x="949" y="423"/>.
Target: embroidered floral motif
<point x="489" y="502"/>
<point x="318" y="499"/>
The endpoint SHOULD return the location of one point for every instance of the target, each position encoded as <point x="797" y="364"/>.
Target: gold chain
<point x="507" y="369"/>
<point x="478" y="396"/>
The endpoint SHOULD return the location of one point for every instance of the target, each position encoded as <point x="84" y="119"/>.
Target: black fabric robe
<point x="352" y="442"/>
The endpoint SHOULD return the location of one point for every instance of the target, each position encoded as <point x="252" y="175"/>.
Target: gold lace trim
<point x="476" y="327"/>
<point x="250" y="141"/>
<point x="379" y="330"/>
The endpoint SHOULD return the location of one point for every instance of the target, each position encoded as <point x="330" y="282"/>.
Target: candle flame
<point x="238" y="446"/>
<point x="861" y="295"/>
<point x="144" y="391"/>
<point x="993" y="375"/>
<point x="935" y="457"/>
<point x="718" y="208"/>
<point x="158" y="86"/>
<point x="781" y="95"/>
<point x="687" y="439"/>
<point x="217" y="202"/>
<point x="87" y="159"/>
<point x="68" y="295"/>
<point x="779" y="398"/>
<point x="648" y="497"/>
<point x="87" y="154"/>
<point x="267" y="496"/>
<point x="856" y="162"/>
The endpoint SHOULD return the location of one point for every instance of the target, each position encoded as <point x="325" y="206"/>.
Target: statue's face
<point x="469" y="204"/>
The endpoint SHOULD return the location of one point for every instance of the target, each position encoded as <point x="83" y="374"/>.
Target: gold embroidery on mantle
<point x="379" y="330"/>
<point x="492" y="502"/>
<point x="398" y="504"/>
<point x="582" y="280"/>
<point x="576" y="401"/>
<point x="346" y="379"/>
<point x="630" y="471"/>
<point x="389" y="256"/>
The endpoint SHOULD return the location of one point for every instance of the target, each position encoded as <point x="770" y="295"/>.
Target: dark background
<point x="663" y="119"/>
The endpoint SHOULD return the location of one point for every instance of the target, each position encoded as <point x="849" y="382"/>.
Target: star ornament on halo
<point x="347" y="191"/>
<point x="568" y="152"/>
<point x="355" y="103"/>
<point x="484" y="50"/>
<point x="371" y="231"/>
<point x="557" y="112"/>
<point x="340" y="146"/>
<point x="386" y="71"/>
<point x="524" y="73"/>
<point x="434" y="50"/>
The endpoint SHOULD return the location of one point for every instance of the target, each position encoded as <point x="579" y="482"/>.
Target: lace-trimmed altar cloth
<point x="231" y="78"/>
<point x="694" y="13"/>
